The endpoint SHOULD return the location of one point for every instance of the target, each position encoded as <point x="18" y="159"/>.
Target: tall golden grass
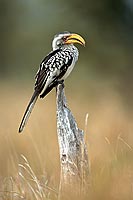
<point x="29" y="162"/>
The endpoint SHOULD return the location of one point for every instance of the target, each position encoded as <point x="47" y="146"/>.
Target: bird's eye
<point x="64" y="38"/>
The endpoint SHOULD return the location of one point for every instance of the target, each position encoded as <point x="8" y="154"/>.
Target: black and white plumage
<point x="56" y="66"/>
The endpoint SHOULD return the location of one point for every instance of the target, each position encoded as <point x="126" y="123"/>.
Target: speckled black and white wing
<point x="53" y="70"/>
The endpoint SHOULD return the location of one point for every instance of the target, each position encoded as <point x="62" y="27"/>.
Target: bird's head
<point x="66" y="38"/>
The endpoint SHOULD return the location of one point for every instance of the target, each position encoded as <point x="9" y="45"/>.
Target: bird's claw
<point x="61" y="82"/>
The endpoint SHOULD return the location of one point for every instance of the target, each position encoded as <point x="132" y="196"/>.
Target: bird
<point x="54" y="68"/>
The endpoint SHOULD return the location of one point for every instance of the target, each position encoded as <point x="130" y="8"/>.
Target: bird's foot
<point x="61" y="82"/>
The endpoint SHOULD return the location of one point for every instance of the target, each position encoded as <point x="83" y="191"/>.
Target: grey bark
<point x="73" y="152"/>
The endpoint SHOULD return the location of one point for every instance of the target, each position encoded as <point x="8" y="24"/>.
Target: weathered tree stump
<point x="73" y="151"/>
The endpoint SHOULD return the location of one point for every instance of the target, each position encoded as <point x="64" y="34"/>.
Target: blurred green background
<point x="100" y="84"/>
<point x="28" y="27"/>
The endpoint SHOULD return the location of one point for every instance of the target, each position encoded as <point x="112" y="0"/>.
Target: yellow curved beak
<point x="75" y="38"/>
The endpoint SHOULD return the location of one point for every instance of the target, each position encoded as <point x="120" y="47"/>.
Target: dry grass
<point x="29" y="163"/>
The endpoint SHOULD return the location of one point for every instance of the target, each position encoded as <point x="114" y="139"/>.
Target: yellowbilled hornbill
<point x="55" y="67"/>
